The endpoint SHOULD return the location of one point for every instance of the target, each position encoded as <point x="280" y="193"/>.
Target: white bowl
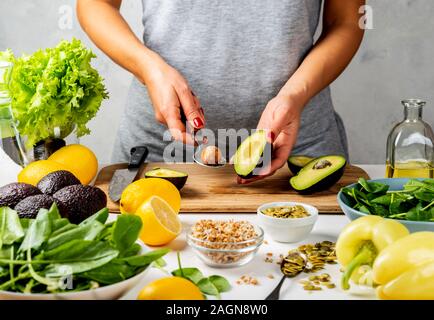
<point x="287" y="230"/>
<point x="109" y="292"/>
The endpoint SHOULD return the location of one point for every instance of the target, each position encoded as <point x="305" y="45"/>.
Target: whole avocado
<point x="57" y="180"/>
<point x="80" y="202"/>
<point x="12" y="193"/>
<point x="29" y="207"/>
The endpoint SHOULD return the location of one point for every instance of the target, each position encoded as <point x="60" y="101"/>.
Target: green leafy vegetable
<point x="126" y="231"/>
<point x="55" y="87"/>
<point x="414" y="202"/>
<point x="10" y="227"/>
<point x="36" y="254"/>
<point x="213" y="285"/>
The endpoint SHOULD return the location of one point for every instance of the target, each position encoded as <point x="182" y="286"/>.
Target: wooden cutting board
<point x="211" y="190"/>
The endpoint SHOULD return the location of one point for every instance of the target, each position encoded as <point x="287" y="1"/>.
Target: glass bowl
<point x="226" y="254"/>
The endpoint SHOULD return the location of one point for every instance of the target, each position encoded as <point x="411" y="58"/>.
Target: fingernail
<point x="197" y="122"/>
<point x="271" y="136"/>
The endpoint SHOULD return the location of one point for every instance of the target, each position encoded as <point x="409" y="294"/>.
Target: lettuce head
<point x="55" y="88"/>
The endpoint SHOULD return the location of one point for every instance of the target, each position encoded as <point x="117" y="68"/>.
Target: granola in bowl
<point x="225" y="243"/>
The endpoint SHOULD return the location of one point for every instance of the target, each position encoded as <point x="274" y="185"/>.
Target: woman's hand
<point x="281" y="118"/>
<point x="172" y="97"/>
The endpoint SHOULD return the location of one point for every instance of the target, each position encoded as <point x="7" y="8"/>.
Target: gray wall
<point x="395" y="61"/>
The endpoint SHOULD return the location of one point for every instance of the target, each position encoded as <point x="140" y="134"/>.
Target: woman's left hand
<point x="281" y="118"/>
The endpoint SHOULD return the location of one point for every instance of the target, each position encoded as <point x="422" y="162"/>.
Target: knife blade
<point x="123" y="177"/>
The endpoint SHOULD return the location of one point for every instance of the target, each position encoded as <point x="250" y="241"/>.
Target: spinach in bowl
<point x="36" y="255"/>
<point x="413" y="202"/>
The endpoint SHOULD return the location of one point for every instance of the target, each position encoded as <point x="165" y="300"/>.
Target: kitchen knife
<point x="123" y="177"/>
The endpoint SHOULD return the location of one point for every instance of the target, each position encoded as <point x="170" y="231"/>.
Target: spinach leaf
<point x="144" y="259"/>
<point x="426" y="196"/>
<point x="207" y="287"/>
<point x="38" y="232"/>
<point x="132" y="251"/>
<point x="100" y="216"/>
<point x="364" y="209"/>
<point x="373" y="187"/>
<point x="10" y="226"/>
<point x="111" y="272"/>
<point x="379" y="210"/>
<point x="192" y="274"/>
<point x="88" y="231"/>
<point x="220" y="283"/>
<point x="126" y="231"/>
<point x="384" y="200"/>
<point x="89" y="257"/>
<point x="69" y="250"/>
<point x="53" y="212"/>
<point x="123" y="268"/>
<point x="63" y="229"/>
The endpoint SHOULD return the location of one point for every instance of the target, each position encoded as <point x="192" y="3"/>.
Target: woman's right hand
<point x="171" y="96"/>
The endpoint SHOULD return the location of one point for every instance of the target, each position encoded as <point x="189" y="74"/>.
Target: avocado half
<point x="319" y="174"/>
<point x="177" y="178"/>
<point x="253" y="154"/>
<point x="297" y="162"/>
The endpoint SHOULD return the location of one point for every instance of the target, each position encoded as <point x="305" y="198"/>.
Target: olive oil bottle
<point x="411" y="169"/>
<point x="410" y="145"/>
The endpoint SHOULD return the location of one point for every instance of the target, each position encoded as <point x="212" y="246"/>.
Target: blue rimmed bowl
<point x="394" y="184"/>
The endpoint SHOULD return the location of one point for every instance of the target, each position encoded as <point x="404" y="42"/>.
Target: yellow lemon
<point x="35" y="171"/>
<point x="141" y="190"/>
<point x="160" y="223"/>
<point x="80" y="160"/>
<point x="170" y="288"/>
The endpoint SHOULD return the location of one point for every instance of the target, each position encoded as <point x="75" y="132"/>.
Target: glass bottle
<point x="410" y="147"/>
<point x="10" y="142"/>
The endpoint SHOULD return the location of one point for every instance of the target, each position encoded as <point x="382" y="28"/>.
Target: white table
<point x="327" y="227"/>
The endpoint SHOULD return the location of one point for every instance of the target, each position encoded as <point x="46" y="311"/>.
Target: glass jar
<point x="10" y="141"/>
<point x="410" y="147"/>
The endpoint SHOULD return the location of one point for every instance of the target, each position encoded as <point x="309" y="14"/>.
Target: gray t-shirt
<point x="236" y="55"/>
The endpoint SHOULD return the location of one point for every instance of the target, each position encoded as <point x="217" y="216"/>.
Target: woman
<point x="250" y="64"/>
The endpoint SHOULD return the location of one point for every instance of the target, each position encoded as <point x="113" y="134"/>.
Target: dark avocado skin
<point x="57" y="180"/>
<point x="12" y="193"/>
<point x="325" y="183"/>
<point x="29" y="207"/>
<point x="295" y="169"/>
<point x="178" y="182"/>
<point x="263" y="162"/>
<point x="80" y="201"/>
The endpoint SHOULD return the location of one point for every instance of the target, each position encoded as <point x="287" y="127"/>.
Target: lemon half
<point x="161" y="224"/>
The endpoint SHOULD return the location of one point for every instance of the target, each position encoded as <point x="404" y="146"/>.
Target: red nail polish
<point x="197" y="122"/>
<point x="271" y="135"/>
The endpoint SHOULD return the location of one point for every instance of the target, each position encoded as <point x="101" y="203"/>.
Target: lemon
<point x="141" y="190"/>
<point x="35" y="171"/>
<point x="160" y="223"/>
<point x="80" y="160"/>
<point x="170" y="288"/>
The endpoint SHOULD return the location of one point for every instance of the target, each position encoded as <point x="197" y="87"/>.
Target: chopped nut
<point x="215" y="234"/>
<point x="270" y="276"/>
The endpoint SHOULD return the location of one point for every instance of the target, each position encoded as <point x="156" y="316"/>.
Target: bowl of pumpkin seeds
<point x="287" y="221"/>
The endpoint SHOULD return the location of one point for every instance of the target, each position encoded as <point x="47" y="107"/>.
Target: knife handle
<point x="138" y="156"/>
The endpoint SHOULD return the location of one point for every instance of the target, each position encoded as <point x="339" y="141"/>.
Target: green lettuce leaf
<point x="55" y="87"/>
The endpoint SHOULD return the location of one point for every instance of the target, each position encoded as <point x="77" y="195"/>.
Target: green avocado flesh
<point x="175" y="177"/>
<point x="296" y="163"/>
<point x="252" y="154"/>
<point x="319" y="174"/>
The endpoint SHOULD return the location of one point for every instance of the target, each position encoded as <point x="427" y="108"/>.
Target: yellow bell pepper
<point x="360" y="242"/>
<point x="405" y="269"/>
